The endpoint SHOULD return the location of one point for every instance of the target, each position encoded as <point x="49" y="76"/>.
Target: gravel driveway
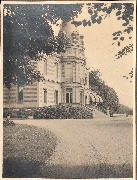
<point x="90" y="143"/>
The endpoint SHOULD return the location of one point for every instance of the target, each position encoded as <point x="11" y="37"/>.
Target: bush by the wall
<point x="62" y="112"/>
<point x="50" y="112"/>
<point x="7" y="122"/>
<point x="17" y="113"/>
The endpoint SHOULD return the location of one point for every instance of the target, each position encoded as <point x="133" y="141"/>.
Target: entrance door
<point x="68" y="95"/>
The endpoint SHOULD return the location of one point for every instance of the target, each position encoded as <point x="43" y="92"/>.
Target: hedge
<point x="51" y="112"/>
<point x="62" y="112"/>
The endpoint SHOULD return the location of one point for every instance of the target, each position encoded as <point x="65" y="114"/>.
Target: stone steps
<point x="100" y="114"/>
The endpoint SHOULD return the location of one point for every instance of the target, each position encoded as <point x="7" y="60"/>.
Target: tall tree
<point x="28" y="31"/>
<point x="108" y="94"/>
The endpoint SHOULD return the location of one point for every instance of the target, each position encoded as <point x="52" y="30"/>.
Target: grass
<point x="92" y="171"/>
<point x="25" y="150"/>
<point x="28" y="149"/>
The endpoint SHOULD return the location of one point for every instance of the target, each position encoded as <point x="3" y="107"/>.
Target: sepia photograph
<point x="68" y="89"/>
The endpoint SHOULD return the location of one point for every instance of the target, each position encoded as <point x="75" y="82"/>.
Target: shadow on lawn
<point x="19" y="168"/>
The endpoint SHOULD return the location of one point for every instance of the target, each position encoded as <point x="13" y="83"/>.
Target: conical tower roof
<point x="68" y="28"/>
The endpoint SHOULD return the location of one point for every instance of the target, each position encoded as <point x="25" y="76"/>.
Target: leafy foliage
<point x="130" y="75"/>
<point x="124" y="51"/>
<point x="51" y="112"/>
<point x="124" y="13"/>
<point x="29" y="28"/>
<point x="108" y="94"/>
<point x="30" y="31"/>
<point x="125" y="109"/>
<point x="63" y="112"/>
<point x="20" y="113"/>
<point x="7" y="122"/>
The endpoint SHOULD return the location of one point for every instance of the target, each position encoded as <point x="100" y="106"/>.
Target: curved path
<point x="89" y="142"/>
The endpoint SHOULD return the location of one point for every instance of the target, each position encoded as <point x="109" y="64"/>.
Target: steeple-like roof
<point x="68" y="28"/>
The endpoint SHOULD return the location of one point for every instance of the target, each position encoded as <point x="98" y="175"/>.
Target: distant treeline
<point x="125" y="109"/>
<point x="108" y="94"/>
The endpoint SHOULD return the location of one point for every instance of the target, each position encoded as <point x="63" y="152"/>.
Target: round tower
<point x="73" y="66"/>
<point x="75" y="47"/>
<point x="68" y="28"/>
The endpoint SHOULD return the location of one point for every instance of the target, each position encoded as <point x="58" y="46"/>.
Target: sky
<point x="100" y="54"/>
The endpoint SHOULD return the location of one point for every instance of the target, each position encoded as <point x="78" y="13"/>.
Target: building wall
<point x="5" y="96"/>
<point x="50" y="88"/>
<point x="50" y="68"/>
<point x="31" y="95"/>
<point x="10" y="97"/>
<point x="60" y="72"/>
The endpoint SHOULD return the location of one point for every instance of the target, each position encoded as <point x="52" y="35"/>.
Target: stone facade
<point x="66" y="78"/>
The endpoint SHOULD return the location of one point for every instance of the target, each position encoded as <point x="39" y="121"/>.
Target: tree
<point x="29" y="28"/>
<point x="125" y="109"/>
<point x="108" y="94"/>
<point x="30" y="31"/>
<point x="123" y="11"/>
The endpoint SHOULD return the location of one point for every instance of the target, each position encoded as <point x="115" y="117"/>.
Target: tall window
<point x="85" y="100"/>
<point x="68" y="70"/>
<point x="57" y="70"/>
<point x="45" y="67"/>
<point x="45" y="96"/>
<point x="68" y="73"/>
<point x="56" y="97"/>
<point x="75" y="51"/>
<point x="85" y="80"/>
<point x="69" y="95"/>
<point x="69" y="50"/>
<point x="81" y="74"/>
<point x="81" y="97"/>
<point x="20" y="94"/>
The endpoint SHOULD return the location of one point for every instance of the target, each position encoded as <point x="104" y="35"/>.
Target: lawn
<point x="26" y="149"/>
<point x="84" y="149"/>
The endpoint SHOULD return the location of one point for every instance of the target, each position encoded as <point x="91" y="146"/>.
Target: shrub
<point x="62" y="112"/>
<point x="17" y="113"/>
<point x="6" y="112"/>
<point x="7" y="122"/>
<point x="51" y="112"/>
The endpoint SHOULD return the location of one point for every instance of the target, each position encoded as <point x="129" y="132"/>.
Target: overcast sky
<point x="101" y="55"/>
